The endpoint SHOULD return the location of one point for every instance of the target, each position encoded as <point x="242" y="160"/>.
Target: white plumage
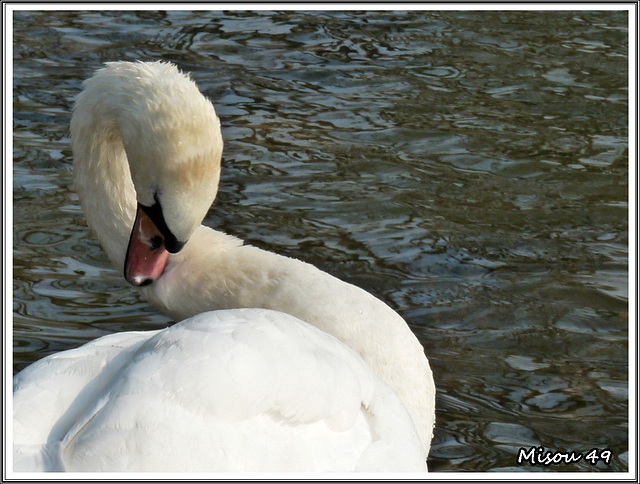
<point x="321" y="376"/>
<point x="242" y="390"/>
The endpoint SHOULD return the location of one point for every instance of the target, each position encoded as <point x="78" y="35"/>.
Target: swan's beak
<point x="146" y="254"/>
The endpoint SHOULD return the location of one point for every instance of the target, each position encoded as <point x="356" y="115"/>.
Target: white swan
<point x="315" y="389"/>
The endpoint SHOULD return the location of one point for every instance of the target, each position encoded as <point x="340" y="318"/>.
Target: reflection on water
<point x="469" y="168"/>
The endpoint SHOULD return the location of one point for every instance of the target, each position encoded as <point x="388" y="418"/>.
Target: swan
<point x="275" y="365"/>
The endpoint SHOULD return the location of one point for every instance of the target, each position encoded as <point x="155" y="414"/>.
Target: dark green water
<point x="468" y="168"/>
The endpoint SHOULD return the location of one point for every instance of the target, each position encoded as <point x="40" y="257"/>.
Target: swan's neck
<point x="103" y="182"/>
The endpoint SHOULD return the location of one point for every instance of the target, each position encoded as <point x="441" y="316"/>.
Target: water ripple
<point x="469" y="168"/>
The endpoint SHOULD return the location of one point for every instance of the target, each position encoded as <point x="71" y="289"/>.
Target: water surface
<point x="468" y="168"/>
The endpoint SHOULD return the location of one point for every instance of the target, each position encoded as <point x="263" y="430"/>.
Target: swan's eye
<point x="155" y="242"/>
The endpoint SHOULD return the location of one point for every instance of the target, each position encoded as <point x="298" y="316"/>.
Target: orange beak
<point x="146" y="255"/>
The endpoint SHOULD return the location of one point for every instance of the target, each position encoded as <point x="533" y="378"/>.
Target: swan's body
<point x="319" y="402"/>
<point x="225" y="358"/>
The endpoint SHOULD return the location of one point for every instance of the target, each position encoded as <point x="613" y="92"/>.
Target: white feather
<point x="240" y="390"/>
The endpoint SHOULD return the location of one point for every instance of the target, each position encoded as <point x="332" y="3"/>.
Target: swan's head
<point x="172" y="140"/>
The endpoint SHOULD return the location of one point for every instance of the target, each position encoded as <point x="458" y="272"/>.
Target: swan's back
<point x="242" y="390"/>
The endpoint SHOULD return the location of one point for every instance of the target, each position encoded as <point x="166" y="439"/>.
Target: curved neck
<point x="103" y="182"/>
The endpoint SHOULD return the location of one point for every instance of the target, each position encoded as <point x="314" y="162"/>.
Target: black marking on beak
<point x="154" y="212"/>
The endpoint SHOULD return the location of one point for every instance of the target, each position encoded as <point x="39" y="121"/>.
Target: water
<point x="468" y="168"/>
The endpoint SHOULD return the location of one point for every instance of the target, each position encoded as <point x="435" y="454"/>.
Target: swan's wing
<point x="51" y="394"/>
<point x="243" y="390"/>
